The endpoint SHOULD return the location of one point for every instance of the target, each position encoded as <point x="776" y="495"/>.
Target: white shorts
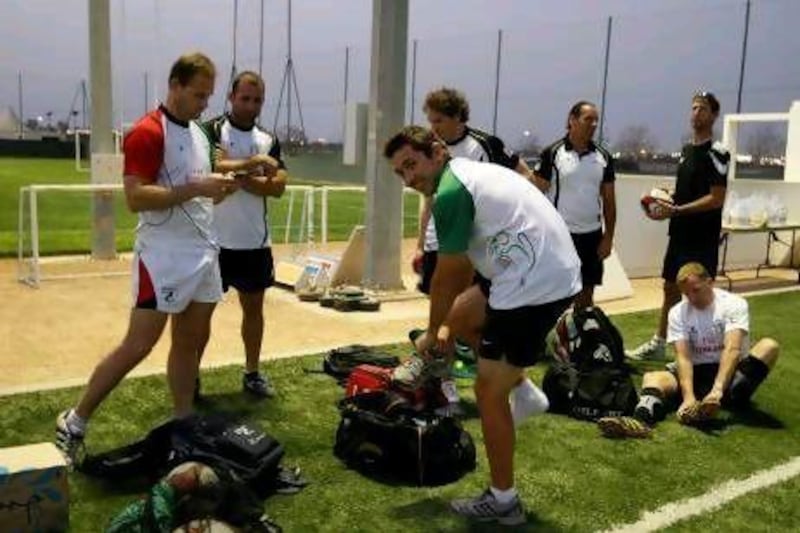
<point x="169" y="280"/>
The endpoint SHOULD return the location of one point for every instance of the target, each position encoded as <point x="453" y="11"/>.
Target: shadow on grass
<point x="750" y="417"/>
<point x="755" y="417"/>
<point x="236" y="403"/>
<point x="438" y="508"/>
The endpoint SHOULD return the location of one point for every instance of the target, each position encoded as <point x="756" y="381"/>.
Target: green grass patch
<point x="65" y="219"/>
<point x="571" y="479"/>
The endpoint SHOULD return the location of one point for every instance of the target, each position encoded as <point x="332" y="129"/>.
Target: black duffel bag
<point x="383" y="438"/>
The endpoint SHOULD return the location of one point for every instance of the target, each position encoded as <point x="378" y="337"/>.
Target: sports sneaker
<point x="622" y="427"/>
<point x="258" y="385"/>
<point x="450" y="409"/>
<point x="653" y="350"/>
<point x="70" y="443"/>
<point x="414" y="371"/>
<point x="486" y="508"/>
<point x="527" y="401"/>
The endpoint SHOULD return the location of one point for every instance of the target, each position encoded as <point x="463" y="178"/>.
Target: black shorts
<point x="518" y="335"/>
<point x="484" y="284"/>
<point x="704" y="375"/>
<point x="586" y="245"/>
<point x="679" y="254"/>
<point x="429" y="265"/>
<point x="247" y="270"/>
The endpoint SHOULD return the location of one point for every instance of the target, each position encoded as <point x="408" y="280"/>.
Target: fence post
<point x="324" y="221"/>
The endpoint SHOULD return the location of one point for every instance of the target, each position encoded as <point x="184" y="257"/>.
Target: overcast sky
<point x="552" y="55"/>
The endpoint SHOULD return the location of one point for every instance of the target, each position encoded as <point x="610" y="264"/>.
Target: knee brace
<point x="749" y="375"/>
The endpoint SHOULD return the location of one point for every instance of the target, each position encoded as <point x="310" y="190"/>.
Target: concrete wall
<point x="49" y="148"/>
<point x="640" y="242"/>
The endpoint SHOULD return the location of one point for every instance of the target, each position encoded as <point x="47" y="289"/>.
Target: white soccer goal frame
<point x="29" y="269"/>
<point x="324" y="190"/>
<point x="76" y="134"/>
<point x="33" y="274"/>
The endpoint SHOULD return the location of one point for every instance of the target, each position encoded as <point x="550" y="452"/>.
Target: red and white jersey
<point x="165" y="151"/>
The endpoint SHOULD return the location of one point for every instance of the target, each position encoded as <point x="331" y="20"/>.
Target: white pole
<point x="324" y="222"/>
<point x="34" y="237"/>
<point x="310" y="200"/>
<point x="20" y="231"/>
<point x="77" y="150"/>
<point x="289" y="217"/>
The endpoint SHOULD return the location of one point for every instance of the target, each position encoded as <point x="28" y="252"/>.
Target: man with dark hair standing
<point x="695" y="213"/>
<point x="245" y="256"/>
<point x="490" y="221"/>
<point x="447" y="111"/>
<point x="168" y="182"/>
<point x="578" y="177"/>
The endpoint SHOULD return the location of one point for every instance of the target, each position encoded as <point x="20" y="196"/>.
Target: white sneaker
<point x="527" y="400"/>
<point x="486" y="508"/>
<point x="653" y="350"/>
<point x="451" y="409"/>
<point x="68" y="441"/>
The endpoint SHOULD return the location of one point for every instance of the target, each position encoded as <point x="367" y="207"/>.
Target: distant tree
<point x="765" y="142"/>
<point x="635" y="141"/>
<point x="32" y="124"/>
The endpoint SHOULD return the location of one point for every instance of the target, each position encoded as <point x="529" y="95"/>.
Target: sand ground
<point x="53" y="336"/>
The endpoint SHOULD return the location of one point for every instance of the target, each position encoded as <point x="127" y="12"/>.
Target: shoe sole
<point x="502" y="520"/>
<point x="615" y="429"/>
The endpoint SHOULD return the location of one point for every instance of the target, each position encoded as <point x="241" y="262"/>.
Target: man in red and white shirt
<point x="168" y="182"/>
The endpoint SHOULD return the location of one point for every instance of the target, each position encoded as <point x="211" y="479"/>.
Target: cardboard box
<point x="34" y="494"/>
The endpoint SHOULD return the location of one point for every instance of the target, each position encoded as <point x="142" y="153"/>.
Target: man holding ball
<point x="695" y="213"/>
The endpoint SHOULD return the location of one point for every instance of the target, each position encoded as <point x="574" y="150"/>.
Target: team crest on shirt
<point x="507" y="249"/>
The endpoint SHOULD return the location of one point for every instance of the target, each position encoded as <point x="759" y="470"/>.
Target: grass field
<point x="65" y="218"/>
<point x="571" y="479"/>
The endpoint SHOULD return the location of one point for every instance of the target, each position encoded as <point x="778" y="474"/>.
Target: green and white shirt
<point x="511" y="233"/>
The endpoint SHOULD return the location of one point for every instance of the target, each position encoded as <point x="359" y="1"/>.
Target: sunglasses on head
<point x="710" y="99"/>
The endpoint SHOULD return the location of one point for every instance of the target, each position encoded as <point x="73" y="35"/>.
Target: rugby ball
<point x="651" y="202"/>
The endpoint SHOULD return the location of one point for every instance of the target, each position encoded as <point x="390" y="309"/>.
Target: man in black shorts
<point x="245" y="259"/>
<point x="447" y="111"/>
<point x="490" y="220"/>
<point x="714" y="364"/>
<point x="578" y="177"/>
<point x="696" y="214"/>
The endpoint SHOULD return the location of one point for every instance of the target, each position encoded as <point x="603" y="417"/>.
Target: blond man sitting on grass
<point x="714" y="367"/>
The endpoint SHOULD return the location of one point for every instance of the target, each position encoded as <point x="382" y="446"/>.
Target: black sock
<point x="748" y="376"/>
<point x="650" y="408"/>
<point x="653" y="391"/>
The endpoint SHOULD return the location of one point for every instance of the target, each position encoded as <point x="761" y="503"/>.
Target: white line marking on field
<point x="718" y="496"/>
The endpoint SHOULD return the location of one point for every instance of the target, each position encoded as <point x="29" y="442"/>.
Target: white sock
<point x="504" y="496"/>
<point x="75" y="423"/>
<point x="527" y="400"/>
